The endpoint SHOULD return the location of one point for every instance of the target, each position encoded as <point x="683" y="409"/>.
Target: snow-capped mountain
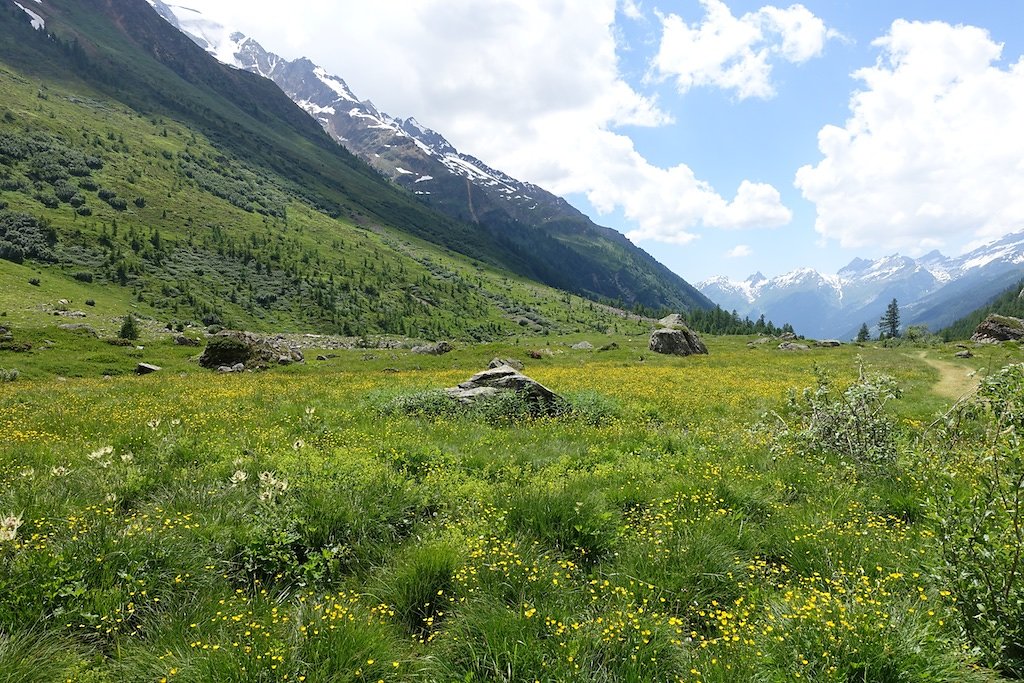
<point x="933" y="290"/>
<point x="561" y="246"/>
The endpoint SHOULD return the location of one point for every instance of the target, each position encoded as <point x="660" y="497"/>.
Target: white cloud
<point x="532" y="87"/>
<point x="734" y="53"/>
<point x="932" y="153"/>
<point x="739" y="251"/>
<point x="632" y="9"/>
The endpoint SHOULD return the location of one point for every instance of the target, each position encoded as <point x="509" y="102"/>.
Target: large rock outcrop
<point x="230" y="347"/>
<point x="680" y="341"/>
<point x="999" y="328"/>
<point x="505" y="378"/>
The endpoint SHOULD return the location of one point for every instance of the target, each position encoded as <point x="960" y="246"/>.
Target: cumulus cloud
<point x="739" y="251"/>
<point x="932" y="153"/>
<point x="735" y="53"/>
<point x="532" y="87"/>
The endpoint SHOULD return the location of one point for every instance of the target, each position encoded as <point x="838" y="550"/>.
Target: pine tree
<point x="864" y="334"/>
<point x="129" y="328"/>
<point x="889" y="323"/>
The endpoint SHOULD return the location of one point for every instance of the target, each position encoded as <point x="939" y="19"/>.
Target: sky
<point x="723" y="137"/>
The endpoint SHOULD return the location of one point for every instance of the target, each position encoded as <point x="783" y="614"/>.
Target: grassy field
<point x="298" y="525"/>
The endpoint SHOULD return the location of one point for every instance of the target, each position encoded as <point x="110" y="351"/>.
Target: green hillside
<point x="1008" y="303"/>
<point x="171" y="213"/>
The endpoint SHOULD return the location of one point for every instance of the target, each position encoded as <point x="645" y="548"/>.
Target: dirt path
<point x="954" y="380"/>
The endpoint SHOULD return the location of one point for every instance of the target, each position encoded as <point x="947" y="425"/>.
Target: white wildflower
<point x="27" y="472"/>
<point x="154" y="423"/>
<point x="100" y="452"/>
<point x="60" y="471"/>
<point x="127" y="457"/>
<point x="175" y="422"/>
<point x="299" y="443"/>
<point x="9" y="527"/>
<point x="309" y="411"/>
<point x="238" y="477"/>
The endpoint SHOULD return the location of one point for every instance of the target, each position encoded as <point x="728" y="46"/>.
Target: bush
<point x="9" y="375"/>
<point x="129" y="328"/>
<point x="90" y="302"/>
<point x="34" y="281"/>
<point x="851" y="424"/>
<point x="225" y="350"/>
<point x="983" y="532"/>
<point x="83" y="276"/>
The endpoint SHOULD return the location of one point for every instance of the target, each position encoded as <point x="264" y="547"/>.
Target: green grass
<point x="255" y="526"/>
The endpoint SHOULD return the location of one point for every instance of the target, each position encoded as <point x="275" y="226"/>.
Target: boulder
<point x="511" y="362"/>
<point x="503" y="378"/>
<point x="677" y="342"/>
<point x="998" y="328"/>
<point x="232" y="348"/>
<point x="438" y="349"/>
<point x="828" y="343"/>
<point x="964" y="354"/>
<point x="787" y="336"/>
<point x="793" y="346"/>
<point x="80" y="328"/>
<point x="759" y="342"/>
<point x="146" y="368"/>
<point x="611" y="346"/>
<point x="583" y="346"/>
<point x="182" y="340"/>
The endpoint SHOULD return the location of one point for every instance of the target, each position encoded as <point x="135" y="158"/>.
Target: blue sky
<point x="686" y="123"/>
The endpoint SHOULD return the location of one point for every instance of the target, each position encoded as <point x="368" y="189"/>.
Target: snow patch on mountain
<point x="38" y="23"/>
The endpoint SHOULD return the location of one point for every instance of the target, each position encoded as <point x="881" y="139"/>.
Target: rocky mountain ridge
<point x="933" y="289"/>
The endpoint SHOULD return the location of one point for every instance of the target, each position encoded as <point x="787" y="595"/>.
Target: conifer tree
<point x="889" y="324"/>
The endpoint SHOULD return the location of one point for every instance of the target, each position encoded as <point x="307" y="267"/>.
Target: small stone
<point x="793" y="346"/>
<point x="146" y="368"/>
<point x="238" y="367"/>
<point x="583" y="346"/>
<point x="321" y="357"/>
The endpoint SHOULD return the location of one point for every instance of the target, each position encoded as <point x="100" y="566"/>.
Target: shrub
<point x="83" y="276"/>
<point x="9" y="375"/>
<point x="983" y="532"/>
<point x="34" y="281"/>
<point x="851" y="424"/>
<point x="129" y="328"/>
<point x="90" y="302"/>
<point x="225" y="350"/>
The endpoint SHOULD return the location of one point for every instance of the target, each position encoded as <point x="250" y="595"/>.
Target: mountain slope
<point x="932" y="290"/>
<point x="562" y="246"/>
<point x="122" y="166"/>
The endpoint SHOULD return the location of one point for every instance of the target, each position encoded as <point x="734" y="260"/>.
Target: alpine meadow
<point x="267" y="413"/>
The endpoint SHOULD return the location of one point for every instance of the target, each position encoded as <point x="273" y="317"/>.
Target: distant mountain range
<point x="561" y="245"/>
<point x="932" y="290"/>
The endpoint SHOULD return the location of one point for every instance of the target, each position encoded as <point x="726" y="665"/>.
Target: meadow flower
<point x="60" y="471"/>
<point x="100" y="452"/>
<point x="154" y="423"/>
<point x="299" y="443"/>
<point x="238" y="477"/>
<point x="9" y="527"/>
<point x="27" y="472"/>
<point x="127" y="457"/>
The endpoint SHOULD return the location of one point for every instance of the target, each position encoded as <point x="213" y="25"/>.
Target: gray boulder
<point x="232" y="347"/>
<point x="828" y="343"/>
<point x="80" y="328"/>
<point x="998" y="328"/>
<point x="182" y="340"/>
<point x="505" y="378"/>
<point x="793" y="346"/>
<point x="583" y="346"/>
<point x="964" y="354"/>
<point x="677" y="342"/>
<point x="511" y="362"/>
<point x="438" y="349"/>
<point x="147" y="368"/>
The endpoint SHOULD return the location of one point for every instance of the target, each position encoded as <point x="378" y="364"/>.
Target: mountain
<point x="136" y="168"/>
<point x="562" y="247"/>
<point x="932" y="290"/>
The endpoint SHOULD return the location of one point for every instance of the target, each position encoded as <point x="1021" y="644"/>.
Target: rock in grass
<point x="583" y="346"/>
<point x="681" y="341"/>
<point x="610" y="346"/>
<point x="964" y="354"/>
<point x="231" y="348"/>
<point x="511" y="362"/>
<point x="146" y="368"/>
<point x="828" y="343"/>
<point x="80" y="328"/>
<point x="182" y="340"/>
<point x="792" y="346"/>
<point x="505" y="378"/>
<point x="998" y="328"/>
<point x="438" y="349"/>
